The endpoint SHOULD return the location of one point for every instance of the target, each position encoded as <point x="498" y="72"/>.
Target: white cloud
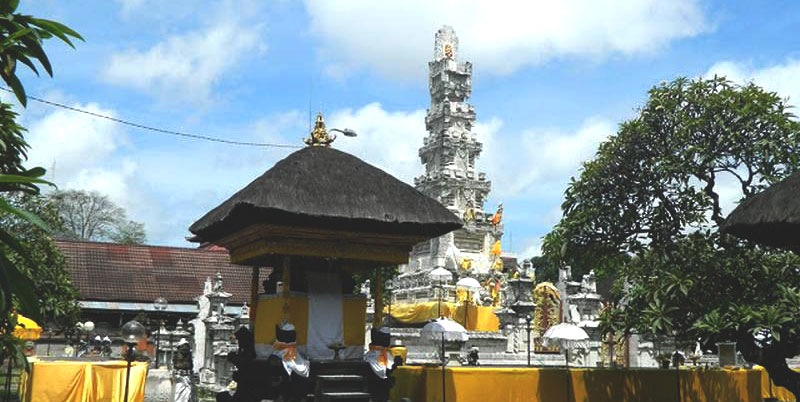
<point x="538" y="162"/>
<point x="69" y="142"/>
<point x="531" y="248"/>
<point x="129" y="6"/>
<point x="185" y="67"/>
<point x="389" y="140"/>
<point x="500" y="36"/>
<point x="782" y="78"/>
<point x="170" y="186"/>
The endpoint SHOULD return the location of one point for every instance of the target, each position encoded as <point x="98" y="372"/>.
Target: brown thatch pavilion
<point x="317" y="217"/>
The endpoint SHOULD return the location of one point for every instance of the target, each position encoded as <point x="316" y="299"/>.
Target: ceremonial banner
<point x="82" y="381"/>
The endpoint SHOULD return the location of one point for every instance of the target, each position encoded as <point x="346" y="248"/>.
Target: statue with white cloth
<point x="381" y="362"/>
<point x="295" y="383"/>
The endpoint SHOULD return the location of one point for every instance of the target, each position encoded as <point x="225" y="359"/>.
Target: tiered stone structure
<point x="213" y="340"/>
<point x="449" y="153"/>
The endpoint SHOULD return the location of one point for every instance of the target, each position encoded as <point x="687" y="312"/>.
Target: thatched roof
<point x="320" y="187"/>
<point x="771" y="217"/>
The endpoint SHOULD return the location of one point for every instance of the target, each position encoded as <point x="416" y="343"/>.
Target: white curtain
<point x="324" y="314"/>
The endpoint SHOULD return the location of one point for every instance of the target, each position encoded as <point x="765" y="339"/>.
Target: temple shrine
<point x="316" y="218"/>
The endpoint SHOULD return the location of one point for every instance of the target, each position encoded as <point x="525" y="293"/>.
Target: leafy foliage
<point x="44" y="263"/>
<point x="21" y="39"/>
<point x="648" y="209"/>
<point x="93" y="216"/>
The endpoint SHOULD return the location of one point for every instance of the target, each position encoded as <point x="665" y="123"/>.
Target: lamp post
<point x="160" y="304"/>
<point x="528" y="320"/>
<point x="132" y="333"/>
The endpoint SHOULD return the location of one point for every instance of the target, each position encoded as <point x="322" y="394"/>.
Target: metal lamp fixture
<point x="160" y="304"/>
<point x="528" y="320"/>
<point x="132" y="333"/>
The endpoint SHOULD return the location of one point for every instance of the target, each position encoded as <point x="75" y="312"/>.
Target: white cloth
<point x="183" y="389"/>
<point x="372" y="358"/>
<point x="324" y="314"/>
<point x="299" y="364"/>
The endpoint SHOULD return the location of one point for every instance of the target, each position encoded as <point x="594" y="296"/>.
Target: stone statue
<point x="589" y="283"/>
<point x="182" y="365"/>
<point x="381" y="362"/>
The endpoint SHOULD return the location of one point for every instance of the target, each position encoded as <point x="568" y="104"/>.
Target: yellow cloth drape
<point x="354" y="315"/>
<point x="270" y="312"/>
<point x="78" y="381"/>
<point x="780" y="393"/>
<point x="479" y="318"/>
<point x="27" y="329"/>
<point x="465" y="384"/>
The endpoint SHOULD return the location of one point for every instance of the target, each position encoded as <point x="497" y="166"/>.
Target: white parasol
<point x="470" y="284"/>
<point x="451" y="330"/>
<point x="567" y="336"/>
<point x="441" y="330"/>
<point x="441" y="274"/>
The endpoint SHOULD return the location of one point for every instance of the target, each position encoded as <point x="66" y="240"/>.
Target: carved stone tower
<point x="450" y="149"/>
<point x="449" y="153"/>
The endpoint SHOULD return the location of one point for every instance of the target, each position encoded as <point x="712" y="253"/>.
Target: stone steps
<point x="340" y="381"/>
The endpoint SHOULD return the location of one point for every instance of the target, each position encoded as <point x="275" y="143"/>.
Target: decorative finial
<point x="446" y="44"/>
<point x="319" y="136"/>
<point x="218" y="282"/>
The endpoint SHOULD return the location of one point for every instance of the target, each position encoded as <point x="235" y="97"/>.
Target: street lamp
<point x="347" y="132"/>
<point x="132" y="333"/>
<point x="160" y="304"/>
<point x="528" y="320"/>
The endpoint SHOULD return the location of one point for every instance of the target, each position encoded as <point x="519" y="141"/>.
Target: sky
<point x="551" y="80"/>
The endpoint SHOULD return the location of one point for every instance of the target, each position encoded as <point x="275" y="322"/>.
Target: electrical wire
<point x="156" y="129"/>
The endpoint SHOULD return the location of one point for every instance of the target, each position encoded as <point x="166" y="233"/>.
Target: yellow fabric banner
<point x="270" y="312"/>
<point x="465" y="384"/>
<point x="81" y="381"/>
<point x="354" y="315"/>
<point x="472" y="317"/>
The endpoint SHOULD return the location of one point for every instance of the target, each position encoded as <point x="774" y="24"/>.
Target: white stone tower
<point x="450" y="149"/>
<point x="449" y="153"/>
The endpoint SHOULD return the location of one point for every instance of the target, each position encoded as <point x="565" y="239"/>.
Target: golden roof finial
<point x="319" y="136"/>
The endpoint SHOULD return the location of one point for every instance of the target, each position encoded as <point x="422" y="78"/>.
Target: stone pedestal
<point x="158" y="387"/>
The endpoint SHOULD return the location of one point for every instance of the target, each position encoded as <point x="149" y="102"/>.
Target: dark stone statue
<point x="257" y="378"/>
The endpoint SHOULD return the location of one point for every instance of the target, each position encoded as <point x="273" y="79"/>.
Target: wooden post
<point x="377" y="317"/>
<point x="287" y="279"/>
<point x="254" y="296"/>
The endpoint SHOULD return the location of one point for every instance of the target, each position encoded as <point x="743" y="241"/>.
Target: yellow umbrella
<point x="27" y="329"/>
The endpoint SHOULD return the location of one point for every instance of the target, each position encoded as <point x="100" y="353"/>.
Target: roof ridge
<point x="82" y="241"/>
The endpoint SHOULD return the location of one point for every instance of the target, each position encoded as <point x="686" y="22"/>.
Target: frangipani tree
<point x="648" y="210"/>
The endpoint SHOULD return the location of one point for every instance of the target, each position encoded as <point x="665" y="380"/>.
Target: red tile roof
<point x="139" y="273"/>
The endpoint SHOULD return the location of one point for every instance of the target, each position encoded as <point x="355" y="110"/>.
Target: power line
<point x="156" y="129"/>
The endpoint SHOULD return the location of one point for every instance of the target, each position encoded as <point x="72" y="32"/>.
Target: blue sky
<point x="551" y="80"/>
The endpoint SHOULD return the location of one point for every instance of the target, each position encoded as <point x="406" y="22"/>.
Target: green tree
<point x="547" y="269"/>
<point x="44" y="263"/>
<point x="21" y="39"/>
<point x="648" y="209"/>
<point x="93" y="216"/>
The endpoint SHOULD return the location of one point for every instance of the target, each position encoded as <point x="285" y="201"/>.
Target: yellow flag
<point x="496" y="248"/>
